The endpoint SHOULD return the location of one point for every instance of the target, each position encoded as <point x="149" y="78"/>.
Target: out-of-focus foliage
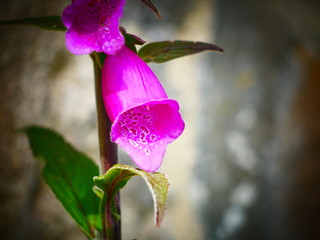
<point x="52" y="23"/>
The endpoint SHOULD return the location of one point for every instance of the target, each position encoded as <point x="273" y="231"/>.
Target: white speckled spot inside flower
<point x="136" y="125"/>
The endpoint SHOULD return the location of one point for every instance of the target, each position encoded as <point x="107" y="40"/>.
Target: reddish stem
<point x="108" y="153"/>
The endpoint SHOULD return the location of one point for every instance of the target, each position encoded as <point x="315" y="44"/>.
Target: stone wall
<point x="246" y="166"/>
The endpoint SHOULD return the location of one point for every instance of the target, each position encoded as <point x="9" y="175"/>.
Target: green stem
<point x="108" y="155"/>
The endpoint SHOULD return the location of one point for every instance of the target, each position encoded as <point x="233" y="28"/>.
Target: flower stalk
<point x="108" y="156"/>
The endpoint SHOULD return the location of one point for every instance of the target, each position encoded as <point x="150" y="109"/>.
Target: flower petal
<point x="146" y="130"/>
<point x="144" y="120"/>
<point x="128" y="82"/>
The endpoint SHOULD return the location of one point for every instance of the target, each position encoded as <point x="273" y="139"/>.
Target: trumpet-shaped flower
<point x="144" y="120"/>
<point x="93" y="25"/>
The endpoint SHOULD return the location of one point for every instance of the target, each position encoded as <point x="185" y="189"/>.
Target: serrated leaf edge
<point x="158" y="218"/>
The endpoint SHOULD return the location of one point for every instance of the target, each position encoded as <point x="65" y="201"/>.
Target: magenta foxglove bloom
<point x="144" y="120"/>
<point x="93" y="25"/>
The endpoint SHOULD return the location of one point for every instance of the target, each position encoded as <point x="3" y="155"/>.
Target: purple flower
<point x="144" y="120"/>
<point x="93" y="25"/>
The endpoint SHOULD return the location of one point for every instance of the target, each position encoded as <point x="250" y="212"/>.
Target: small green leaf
<point x="152" y="7"/>
<point x="99" y="58"/>
<point x="131" y="40"/>
<point x="69" y="174"/>
<point x="52" y="23"/>
<point x="160" y="52"/>
<point x="118" y="176"/>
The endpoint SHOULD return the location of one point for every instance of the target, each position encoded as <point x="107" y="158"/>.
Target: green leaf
<point x="160" y="52"/>
<point x="152" y="7"/>
<point x="69" y="174"/>
<point x="118" y="176"/>
<point x="52" y="23"/>
<point x="132" y="40"/>
<point x="99" y="58"/>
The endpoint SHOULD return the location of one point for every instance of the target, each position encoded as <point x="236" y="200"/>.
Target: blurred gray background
<point x="246" y="167"/>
